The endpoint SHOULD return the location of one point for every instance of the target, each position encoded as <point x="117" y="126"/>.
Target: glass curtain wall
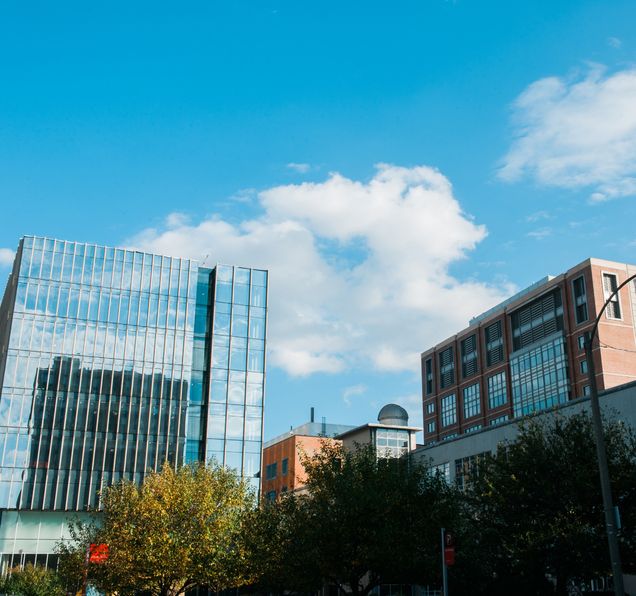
<point x="97" y="371"/>
<point x="235" y="413"/>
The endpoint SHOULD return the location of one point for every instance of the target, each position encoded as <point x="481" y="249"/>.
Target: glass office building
<point x="113" y="362"/>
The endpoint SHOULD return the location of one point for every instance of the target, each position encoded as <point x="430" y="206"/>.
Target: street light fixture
<point x="606" y="489"/>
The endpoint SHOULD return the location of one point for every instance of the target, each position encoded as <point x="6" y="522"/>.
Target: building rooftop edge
<point x="299" y="431"/>
<point x="531" y="290"/>
<point x="198" y="262"/>
<point x="377" y="425"/>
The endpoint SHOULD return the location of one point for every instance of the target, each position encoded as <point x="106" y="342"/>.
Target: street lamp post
<point x="606" y="489"/>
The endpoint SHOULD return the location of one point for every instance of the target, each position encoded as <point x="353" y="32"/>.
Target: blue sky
<point x="252" y="131"/>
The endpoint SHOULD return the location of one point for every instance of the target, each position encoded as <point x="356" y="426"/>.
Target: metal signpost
<point x="448" y="557"/>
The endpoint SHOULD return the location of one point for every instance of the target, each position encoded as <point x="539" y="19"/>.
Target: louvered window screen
<point x="428" y="374"/>
<point x="540" y="318"/>
<point x="494" y="344"/>
<point x="610" y="284"/>
<point x="446" y="368"/>
<point x="580" y="300"/>
<point x="469" y="356"/>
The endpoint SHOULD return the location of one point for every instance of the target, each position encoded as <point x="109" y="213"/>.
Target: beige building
<point x="527" y="353"/>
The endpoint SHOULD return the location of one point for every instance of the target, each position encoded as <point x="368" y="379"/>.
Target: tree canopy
<point x="538" y="508"/>
<point x="179" y="529"/>
<point x="31" y="581"/>
<point x="363" y="521"/>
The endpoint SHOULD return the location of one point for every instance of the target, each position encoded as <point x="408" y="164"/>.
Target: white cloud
<point x="301" y="168"/>
<point x="577" y="133"/>
<point x="615" y="42"/>
<point x="540" y="234"/>
<point x="538" y="216"/>
<point x="353" y="391"/>
<point x="176" y="220"/>
<point x="359" y="271"/>
<point x="6" y="257"/>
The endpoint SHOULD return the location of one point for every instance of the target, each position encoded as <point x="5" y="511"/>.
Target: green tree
<point x="364" y="521"/>
<point x="32" y="581"/>
<point x="538" y="508"/>
<point x="72" y="570"/>
<point x="179" y="529"/>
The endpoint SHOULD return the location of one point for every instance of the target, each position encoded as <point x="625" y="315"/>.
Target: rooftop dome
<point x="393" y="415"/>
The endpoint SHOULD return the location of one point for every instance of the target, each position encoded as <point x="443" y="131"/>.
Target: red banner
<point x="98" y="553"/>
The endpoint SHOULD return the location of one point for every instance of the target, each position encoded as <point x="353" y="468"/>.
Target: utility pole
<point x="444" y="567"/>
<point x="606" y="489"/>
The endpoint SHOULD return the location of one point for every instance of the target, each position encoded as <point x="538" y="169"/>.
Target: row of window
<point x="469" y="357"/>
<point x="472" y="400"/>
<point x="430" y="427"/>
<point x="98" y="266"/>
<point x="271" y="470"/>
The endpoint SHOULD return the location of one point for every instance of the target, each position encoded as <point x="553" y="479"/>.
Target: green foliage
<point x="364" y="521"/>
<point x="32" y="581"/>
<point x="175" y="531"/>
<point x="538" y="509"/>
<point x="72" y="554"/>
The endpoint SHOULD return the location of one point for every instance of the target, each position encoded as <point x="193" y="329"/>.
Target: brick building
<point x="527" y="353"/>
<point x="282" y="468"/>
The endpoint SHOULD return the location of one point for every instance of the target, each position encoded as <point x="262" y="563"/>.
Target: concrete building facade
<point x="456" y="458"/>
<point x="527" y="353"/>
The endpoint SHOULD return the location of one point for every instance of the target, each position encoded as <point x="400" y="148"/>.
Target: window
<point x="442" y="470"/>
<point x="587" y="390"/>
<point x="539" y="377"/>
<point x="466" y="468"/>
<point x="283" y="467"/>
<point x="537" y="320"/>
<point x="449" y="410"/>
<point x="499" y="420"/>
<point x="581" y="342"/>
<point x="430" y="408"/>
<point x="613" y="310"/>
<point x="271" y="495"/>
<point x="430" y="427"/>
<point x="392" y="443"/>
<point x="580" y="300"/>
<point x="469" y="356"/>
<point x="446" y="368"/>
<point x="472" y="429"/>
<point x="449" y="437"/>
<point x="583" y="366"/>
<point x="494" y="343"/>
<point x="471" y="401"/>
<point x="497" y="390"/>
<point x="428" y="376"/>
<point x="271" y="471"/>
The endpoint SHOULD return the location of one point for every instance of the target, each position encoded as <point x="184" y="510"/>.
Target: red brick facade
<point x="614" y="353"/>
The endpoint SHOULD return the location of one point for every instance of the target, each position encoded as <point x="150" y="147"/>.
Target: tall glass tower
<point x="113" y="362"/>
